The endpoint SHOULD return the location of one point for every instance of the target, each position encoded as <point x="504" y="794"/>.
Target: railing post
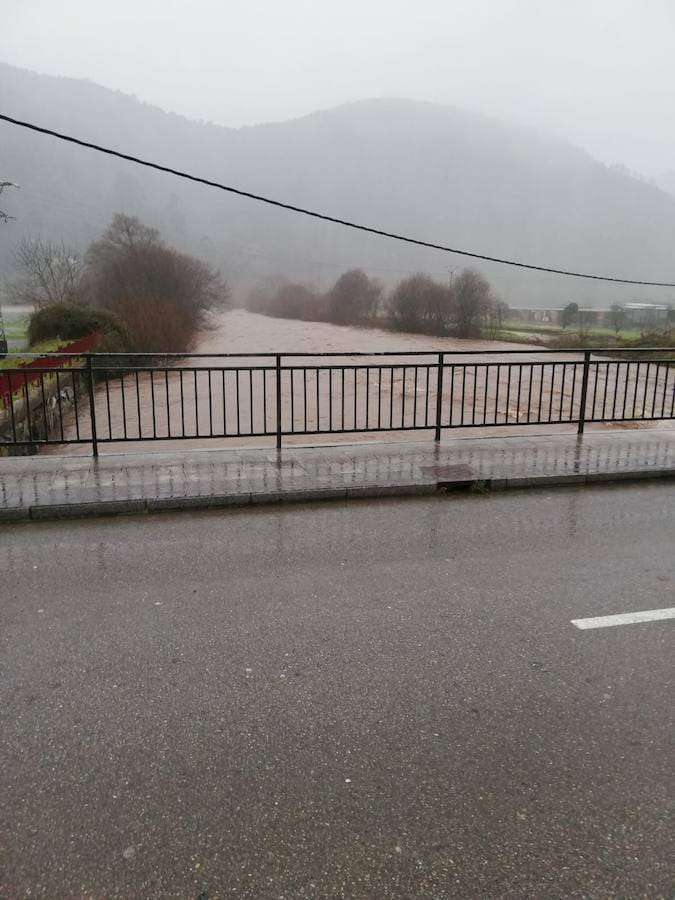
<point x="278" y="401"/>
<point x="584" y="392"/>
<point x="92" y="404"/>
<point x="439" y="395"/>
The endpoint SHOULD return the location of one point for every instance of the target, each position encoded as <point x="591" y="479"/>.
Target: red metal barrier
<point x="12" y="382"/>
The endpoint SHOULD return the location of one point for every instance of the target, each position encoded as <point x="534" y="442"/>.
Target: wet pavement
<point x="50" y="485"/>
<point x="372" y="700"/>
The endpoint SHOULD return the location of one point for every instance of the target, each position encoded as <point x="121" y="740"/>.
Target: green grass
<point x="16" y="329"/>
<point x="530" y="327"/>
<point x="510" y="325"/>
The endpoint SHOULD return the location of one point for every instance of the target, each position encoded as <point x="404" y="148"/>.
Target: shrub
<point x="69" y="321"/>
<point x="291" y="300"/>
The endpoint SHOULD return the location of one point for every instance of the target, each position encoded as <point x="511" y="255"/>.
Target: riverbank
<point x="219" y="403"/>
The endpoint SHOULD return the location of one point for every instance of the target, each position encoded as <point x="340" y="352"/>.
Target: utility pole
<point x="451" y="272"/>
<point x="4" y="217"/>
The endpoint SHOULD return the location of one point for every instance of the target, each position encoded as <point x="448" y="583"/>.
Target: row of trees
<point x="417" y="303"/>
<point x="159" y="296"/>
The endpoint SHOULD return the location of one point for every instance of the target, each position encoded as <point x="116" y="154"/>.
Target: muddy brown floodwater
<point x="224" y="401"/>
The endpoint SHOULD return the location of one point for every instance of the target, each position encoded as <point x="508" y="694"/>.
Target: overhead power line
<point x="323" y="216"/>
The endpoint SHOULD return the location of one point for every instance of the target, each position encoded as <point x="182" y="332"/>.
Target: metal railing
<point x="111" y="398"/>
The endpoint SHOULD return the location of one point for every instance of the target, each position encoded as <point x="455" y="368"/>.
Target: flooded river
<point x="389" y="394"/>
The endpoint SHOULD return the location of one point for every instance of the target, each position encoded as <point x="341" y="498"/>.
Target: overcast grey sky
<point x="598" y="72"/>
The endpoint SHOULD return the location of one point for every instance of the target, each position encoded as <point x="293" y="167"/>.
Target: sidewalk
<point x="41" y="487"/>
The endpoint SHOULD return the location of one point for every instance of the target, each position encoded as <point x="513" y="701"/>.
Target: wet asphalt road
<point x="364" y="700"/>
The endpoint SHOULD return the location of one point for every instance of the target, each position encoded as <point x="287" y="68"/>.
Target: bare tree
<point x="472" y="300"/>
<point x="354" y="298"/>
<point x="419" y="303"/>
<point x="48" y="272"/>
<point x="162" y="296"/>
<point x="617" y="317"/>
<point x="569" y="314"/>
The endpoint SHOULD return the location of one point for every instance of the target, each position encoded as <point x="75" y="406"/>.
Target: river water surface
<point x="322" y="400"/>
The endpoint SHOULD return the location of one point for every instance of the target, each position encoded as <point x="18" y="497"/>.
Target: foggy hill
<point x="435" y="172"/>
<point x="666" y="182"/>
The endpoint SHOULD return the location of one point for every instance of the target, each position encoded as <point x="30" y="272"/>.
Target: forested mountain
<point x="439" y="173"/>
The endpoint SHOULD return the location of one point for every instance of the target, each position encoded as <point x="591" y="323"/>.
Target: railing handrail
<point x="345" y="353"/>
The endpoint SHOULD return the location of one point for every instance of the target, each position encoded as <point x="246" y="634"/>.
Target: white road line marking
<point x="647" y="615"/>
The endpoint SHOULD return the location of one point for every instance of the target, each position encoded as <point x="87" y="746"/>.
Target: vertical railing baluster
<point x="356" y="397"/>
<point x="278" y="391"/>
<point x="342" y="416"/>
<point x="168" y="405"/>
<point x="520" y="383"/>
<point x="58" y="400"/>
<point x="625" y="391"/>
<point x="11" y="407"/>
<point x="574" y="385"/>
<point x="76" y="405"/>
<point x="92" y="404"/>
<point x="665" y="391"/>
<point x="391" y="398"/>
<point x="182" y="403"/>
<point x="499" y="376"/>
<point x="644" y="396"/>
<point x="208" y="375"/>
<point x="635" y="389"/>
<point x="292" y="377"/>
<point x="529" y="392"/>
<point x="461" y="421"/>
<point x="656" y="385"/>
<point x="250" y="400"/>
<point x="124" y="406"/>
<point x="107" y="401"/>
<point x="138" y="404"/>
<point x="550" y="398"/>
<point x="415" y="398"/>
<point x="584" y="392"/>
<point x="152" y="403"/>
<point x="26" y="394"/>
<point x="44" y="406"/>
<point x="224" y="389"/>
<point x="616" y="390"/>
<point x="439" y="396"/>
<point x="486" y="385"/>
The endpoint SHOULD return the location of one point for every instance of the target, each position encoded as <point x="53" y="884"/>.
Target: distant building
<point x="645" y="313"/>
<point x="547" y="315"/>
<point x="636" y="314"/>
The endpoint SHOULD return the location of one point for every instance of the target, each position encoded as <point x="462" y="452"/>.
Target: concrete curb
<point x="309" y="495"/>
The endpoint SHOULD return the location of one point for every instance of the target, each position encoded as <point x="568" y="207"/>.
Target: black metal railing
<point x="107" y="398"/>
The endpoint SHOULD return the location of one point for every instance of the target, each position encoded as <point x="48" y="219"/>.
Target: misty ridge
<point x="434" y="172"/>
